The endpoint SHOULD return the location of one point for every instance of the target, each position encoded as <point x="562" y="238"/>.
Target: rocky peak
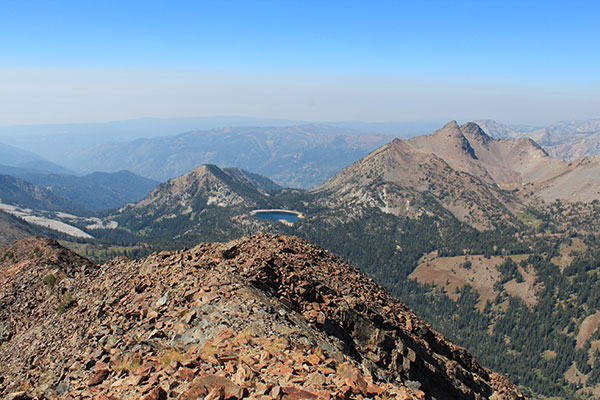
<point x="266" y="316"/>
<point x="207" y="185"/>
<point x="530" y="145"/>
<point x="450" y="141"/>
<point x="474" y="132"/>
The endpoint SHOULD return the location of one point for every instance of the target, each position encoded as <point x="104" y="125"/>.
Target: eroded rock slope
<point x="265" y="316"/>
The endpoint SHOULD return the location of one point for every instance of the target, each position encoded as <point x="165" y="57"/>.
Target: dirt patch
<point x="549" y="354"/>
<point x="590" y="392"/>
<point x="592" y="352"/>
<point x="587" y="329"/>
<point x="450" y="274"/>
<point x="573" y="375"/>
<point x="481" y="274"/>
<point x="568" y="253"/>
<point x="525" y="290"/>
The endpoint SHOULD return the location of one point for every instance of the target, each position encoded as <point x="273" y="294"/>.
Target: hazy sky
<point x="82" y="61"/>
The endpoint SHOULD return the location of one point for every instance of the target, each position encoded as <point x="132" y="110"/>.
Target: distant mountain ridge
<point x="297" y="156"/>
<point x="19" y="192"/>
<point x="458" y="171"/>
<point x="570" y="140"/>
<point x="53" y="141"/>
<point x="97" y="191"/>
<point x="15" y="157"/>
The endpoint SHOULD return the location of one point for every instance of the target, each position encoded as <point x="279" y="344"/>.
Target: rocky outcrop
<point x="265" y="316"/>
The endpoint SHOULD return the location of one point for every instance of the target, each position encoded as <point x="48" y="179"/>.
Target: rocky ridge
<point x="481" y="180"/>
<point x="265" y="316"/>
<point x="426" y="175"/>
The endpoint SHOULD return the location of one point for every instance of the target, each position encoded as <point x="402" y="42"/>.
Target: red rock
<point x="309" y="279"/>
<point x="344" y="392"/>
<point x="186" y="374"/>
<point x="374" y="390"/>
<point x="134" y="380"/>
<point x="315" y="379"/>
<point x="354" y="379"/>
<point x="275" y="392"/>
<point x="321" y="318"/>
<point x="194" y="392"/>
<point x="98" y="377"/>
<point x="206" y="383"/>
<point x="326" y="370"/>
<point x="292" y="393"/>
<point x="158" y="393"/>
<point x="262" y="388"/>
<point x="144" y="369"/>
<point x="313" y="359"/>
<point x="215" y="394"/>
<point x="285" y="370"/>
<point x="18" y="396"/>
<point x="324" y="395"/>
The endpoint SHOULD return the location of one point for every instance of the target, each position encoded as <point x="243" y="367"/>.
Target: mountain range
<point x="71" y="193"/>
<point x="298" y="156"/>
<point x="479" y="179"/>
<point x="457" y="173"/>
<point x="292" y="153"/>
<point x="55" y="141"/>
<point x="570" y="140"/>
<point x="17" y="191"/>
<point x="493" y="241"/>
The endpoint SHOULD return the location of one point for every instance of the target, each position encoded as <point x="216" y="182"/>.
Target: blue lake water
<point x="277" y="215"/>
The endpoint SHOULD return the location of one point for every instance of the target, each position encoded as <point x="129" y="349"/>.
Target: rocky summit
<point x="266" y="316"/>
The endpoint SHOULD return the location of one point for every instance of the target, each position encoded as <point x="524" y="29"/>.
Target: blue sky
<point x="76" y="61"/>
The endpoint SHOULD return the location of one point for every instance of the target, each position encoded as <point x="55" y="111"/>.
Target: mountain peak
<point x="204" y="186"/>
<point x="451" y="125"/>
<point x="449" y="140"/>
<point x="451" y="128"/>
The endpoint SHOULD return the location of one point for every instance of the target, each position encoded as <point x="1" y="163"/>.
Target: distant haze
<point x="67" y="96"/>
<point x="532" y="62"/>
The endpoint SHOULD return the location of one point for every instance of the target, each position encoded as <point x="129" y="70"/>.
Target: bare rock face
<point x="267" y="316"/>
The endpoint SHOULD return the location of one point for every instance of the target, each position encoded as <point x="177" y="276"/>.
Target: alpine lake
<point x="284" y="216"/>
